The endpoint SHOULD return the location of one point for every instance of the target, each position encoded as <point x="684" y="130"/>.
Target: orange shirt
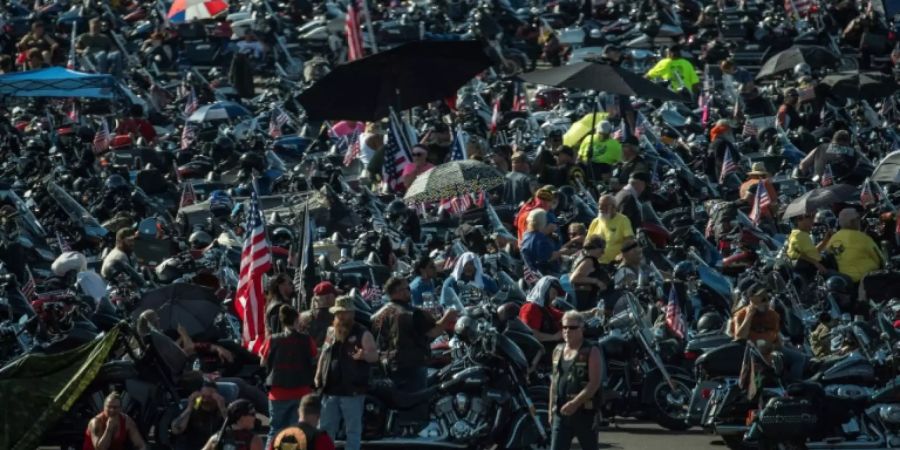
<point x="765" y="325"/>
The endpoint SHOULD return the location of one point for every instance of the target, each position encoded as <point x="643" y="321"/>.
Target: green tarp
<point x="36" y="390"/>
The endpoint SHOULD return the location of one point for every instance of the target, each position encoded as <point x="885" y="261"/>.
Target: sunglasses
<point x="571" y="327"/>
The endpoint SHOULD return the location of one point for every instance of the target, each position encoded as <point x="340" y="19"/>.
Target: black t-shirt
<point x="202" y="425"/>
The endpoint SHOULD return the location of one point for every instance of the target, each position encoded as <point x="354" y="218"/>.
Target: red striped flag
<point x="674" y="319"/>
<point x="866" y="197"/>
<point x="803" y="7"/>
<point x="396" y="154"/>
<point x="187" y="136"/>
<point x="29" y="288"/>
<point x="353" y="148"/>
<point x="191" y="103"/>
<point x="728" y="166"/>
<point x="73" y="112"/>
<point x="520" y="102"/>
<point x="827" y="176"/>
<point x="256" y="260"/>
<point x="750" y="129"/>
<point x="277" y="120"/>
<point x="760" y="203"/>
<point x="495" y="116"/>
<point x="102" y="138"/>
<point x="354" y="38"/>
<point x="188" y="196"/>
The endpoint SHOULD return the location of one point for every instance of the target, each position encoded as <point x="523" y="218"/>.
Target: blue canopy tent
<point x="57" y="82"/>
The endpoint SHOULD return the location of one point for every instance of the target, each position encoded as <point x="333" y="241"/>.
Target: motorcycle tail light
<point x="706" y="393"/>
<point x="751" y="416"/>
<point x="540" y="102"/>
<point x="691" y="356"/>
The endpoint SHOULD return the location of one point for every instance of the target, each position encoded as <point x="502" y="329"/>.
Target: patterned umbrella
<point x="188" y="10"/>
<point x="218" y="111"/>
<point x="452" y="179"/>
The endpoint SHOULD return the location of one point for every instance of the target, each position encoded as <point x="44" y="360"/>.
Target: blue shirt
<point x="419" y="287"/>
<point x="536" y="250"/>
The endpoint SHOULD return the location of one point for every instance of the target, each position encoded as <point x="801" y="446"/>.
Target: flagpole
<point x="370" y="31"/>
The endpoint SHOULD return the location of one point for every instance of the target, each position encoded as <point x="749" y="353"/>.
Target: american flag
<point x="396" y="155"/>
<point x="256" y="260"/>
<point x="674" y="319"/>
<point x="457" y="205"/>
<point x="622" y="132"/>
<point x="73" y="112"/>
<point x="827" y="176"/>
<point x="866" y="197"/>
<point x="728" y="166"/>
<point x="187" y="136"/>
<point x="495" y="116"/>
<point x="354" y="38"/>
<point x="277" y="119"/>
<point x="352" y="148"/>
<point x="371" y="293"/>
<point x="704" y="108"/>
<point x="530" y="276"/>
<point x="479" y="200"/>
<point x="28" y="289"/>
<point x="804" y="7"/>
<point x="761" y="202"/>
<point x="63" y="243"/>
<point x="750" y="129"/>
<point x="520" y="102"/>
<point x="102" y="138"/>
<point x="191" y="103"/>
<point x="188" y="196"/>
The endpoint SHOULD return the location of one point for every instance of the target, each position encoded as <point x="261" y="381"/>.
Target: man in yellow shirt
<point x="606" y="151"/>
<point x="856" y="253"/>
<point x="801" y="250"/>
<point x="612" y="226"/>
<point x="679" y="72"/>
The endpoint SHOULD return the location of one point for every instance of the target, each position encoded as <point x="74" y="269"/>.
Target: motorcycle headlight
<point x="890" y="414"/>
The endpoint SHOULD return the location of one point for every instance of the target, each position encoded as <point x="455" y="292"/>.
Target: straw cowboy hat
<point x="758" y="169"/>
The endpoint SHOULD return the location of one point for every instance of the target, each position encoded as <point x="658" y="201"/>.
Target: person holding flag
<point x="759" y="176"/>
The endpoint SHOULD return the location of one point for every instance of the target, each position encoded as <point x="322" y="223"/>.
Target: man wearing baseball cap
<point x="316" y="321"/>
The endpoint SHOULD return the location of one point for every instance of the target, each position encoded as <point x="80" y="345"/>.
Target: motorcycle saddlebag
<point x="788" y="418"/>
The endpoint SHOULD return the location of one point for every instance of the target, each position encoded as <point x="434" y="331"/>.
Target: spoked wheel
<point x="669" y="403"/>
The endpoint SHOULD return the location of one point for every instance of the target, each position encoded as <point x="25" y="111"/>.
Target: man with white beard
<point x="612" y="226"/>
<point x="343" y="372"/>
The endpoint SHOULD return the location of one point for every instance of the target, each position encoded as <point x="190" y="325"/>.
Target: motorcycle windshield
<point x="715" y="280"/>
<point x="29" y="221"/>
<point x="76" y="211"/>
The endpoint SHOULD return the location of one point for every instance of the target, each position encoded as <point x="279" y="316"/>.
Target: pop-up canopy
<point x="57" y="82"/>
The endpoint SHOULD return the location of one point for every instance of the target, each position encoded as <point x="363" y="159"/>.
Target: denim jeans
<point x="282" y="414"/>
<point x="336" y="408"/>
<point x="566" y="428"/>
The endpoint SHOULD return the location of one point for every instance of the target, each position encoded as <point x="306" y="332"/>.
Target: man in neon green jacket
<point x="678" y="71"/>
<point x="606" y="152"/>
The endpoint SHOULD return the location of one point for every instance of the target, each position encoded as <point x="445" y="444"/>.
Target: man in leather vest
<point x="238" y="433"/>
<point x="306" y="434"/>
<point x="343" y="373"/>
<point x="316" y="321"/>
<point x="574" y="386"/>
<point x="404" y="334"/>
<point x="289" y="359"/>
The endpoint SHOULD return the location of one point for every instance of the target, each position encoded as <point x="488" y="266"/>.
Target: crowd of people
<point x="594" y="187"/>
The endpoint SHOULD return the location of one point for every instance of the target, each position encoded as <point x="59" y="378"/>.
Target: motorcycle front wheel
<point x="669" y="405"/>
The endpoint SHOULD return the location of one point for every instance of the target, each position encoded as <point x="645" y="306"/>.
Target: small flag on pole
<point x="866" y="197"/>
<point x="188" y="196"/>
<point x="191" y="103"/>
<point x="102" y="138"/>
<point x="187" y="136"/>
<point x="827" y="176"/>
<point x="760" y="203"/>
<point x="728" y="166"/>
<point x="674" y="319"/>
<point x="29" y="288"/>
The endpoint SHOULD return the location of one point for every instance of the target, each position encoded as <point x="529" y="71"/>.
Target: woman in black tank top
<point x="589" y="277"/>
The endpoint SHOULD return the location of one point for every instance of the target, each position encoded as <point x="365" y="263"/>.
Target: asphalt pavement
<point x="641" y="435"/>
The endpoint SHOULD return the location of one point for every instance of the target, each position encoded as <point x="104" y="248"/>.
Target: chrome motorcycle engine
<point x="463" y="416"/>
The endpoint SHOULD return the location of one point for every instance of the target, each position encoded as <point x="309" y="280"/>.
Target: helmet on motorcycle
<point x="825" y="217"/>
<point x="596" y="33"/>
<point x="252" y="161"/>
<point x="168" y="270"/>
<point x="115" y="182"/>
<point x="710" y="322"/>
<point x="605" y="127"/>
<point x="220" y="203"/>
<point x="199" y="240"/>
<point x="34" y="145"/>
<point x="684" y="270"/>
<point x="839" y="284"/>
<point x="518" y="124"/>
<point x="466" y="328"/>
<point x="711" y="10"/>
<point x="396" y="210"/>
<point x="282" y="237"/>
<point x="802" y="69"/>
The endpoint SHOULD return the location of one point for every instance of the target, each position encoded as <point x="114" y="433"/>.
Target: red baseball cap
<point x="325" y="288"/>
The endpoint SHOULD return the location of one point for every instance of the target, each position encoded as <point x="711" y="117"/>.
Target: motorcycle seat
<point x="722" y="361"/>
<point x="385" y="391"/>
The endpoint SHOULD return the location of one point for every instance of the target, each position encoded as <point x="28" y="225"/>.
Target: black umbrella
<point x="888" y="170"/>
<point x="409" y="75"/>
<point x="786" y="60"/>
<point x="820" y="198"/>
<point x="865" y="85"/>
<point x="189" y="305"/>
<point x="600" y="77"/>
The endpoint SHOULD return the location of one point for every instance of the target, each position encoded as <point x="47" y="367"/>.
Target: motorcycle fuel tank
<point x="854" y="368"/>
